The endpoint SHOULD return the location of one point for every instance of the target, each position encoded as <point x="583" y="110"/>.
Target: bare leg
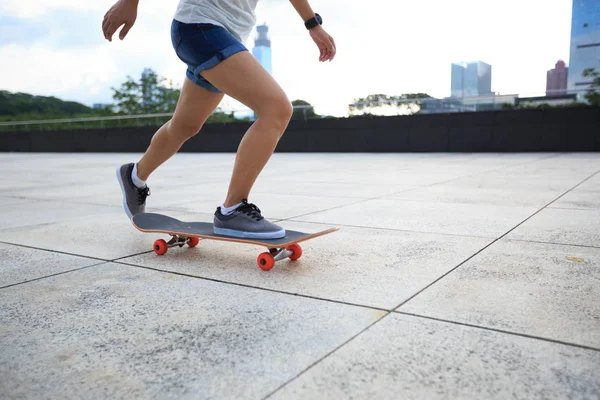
<point x="194" y="106"/>
<point x="243" y="78"/>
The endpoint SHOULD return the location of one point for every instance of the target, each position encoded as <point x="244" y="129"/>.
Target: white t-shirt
<point x="237" y="16"/>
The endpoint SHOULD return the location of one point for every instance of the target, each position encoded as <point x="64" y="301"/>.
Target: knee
<point x="278" y="113"/>
<point x="183" y="130"/>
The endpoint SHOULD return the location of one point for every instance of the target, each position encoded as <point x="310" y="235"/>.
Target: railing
<point x="115" y="121"/>
<point x="426" y="106"/>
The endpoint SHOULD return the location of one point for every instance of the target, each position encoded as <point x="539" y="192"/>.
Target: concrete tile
<point x="404" y="357"/>
<point x="31" y="213"/>
<point x="161" y="195"/>
<point x="21" y="264"/>
<point x="19" y="186"/>
<point x="9" y="201"/>
<point x="484" y="192"/>
<point x="536" y="289"/>
<point x="279" y="206"/>
<point x="376" y="268"/>
<point x="561" y="226"/>
<point x="359" y="175"/>
<point x="328" y="189"/>
<point x="108" y="236"/>
<point x="585" y="196"/>
<point x="447" y="218"/>
<point x="122" y="332"/>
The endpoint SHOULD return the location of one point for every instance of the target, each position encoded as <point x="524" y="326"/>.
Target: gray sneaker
<point x="246" y="222"/>
<point x="134" y="198"/>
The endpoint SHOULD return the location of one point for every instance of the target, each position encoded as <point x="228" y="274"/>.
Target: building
<point x="471" y="79"/>
<point x="585" y="42"/>
<point x="549" y="100"/>
<point x="262" y="47"/>
<point x="556" y="79"/>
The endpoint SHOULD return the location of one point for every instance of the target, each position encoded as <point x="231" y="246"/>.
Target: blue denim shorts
<point x="201" y="47"/>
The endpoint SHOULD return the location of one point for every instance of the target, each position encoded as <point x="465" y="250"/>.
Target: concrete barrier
<point x="531" y="130"/>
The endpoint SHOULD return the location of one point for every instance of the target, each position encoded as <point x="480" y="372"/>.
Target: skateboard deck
<point x="190" y="233"/>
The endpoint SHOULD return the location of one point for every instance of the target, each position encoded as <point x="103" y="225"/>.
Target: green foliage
<point x="21" y="106"/>
<point x="303" y="113"/>
<point x="592" y="96"/>
<point x="410" y="101"/>
<point x="218" y="116"/>
<point x="150" y="95"/>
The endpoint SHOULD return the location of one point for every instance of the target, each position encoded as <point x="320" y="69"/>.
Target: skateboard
<point x="190" y="233"/>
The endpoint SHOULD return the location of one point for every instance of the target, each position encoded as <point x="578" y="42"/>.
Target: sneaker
<point x="246" y="222"/>
<point x="134" y="198"/>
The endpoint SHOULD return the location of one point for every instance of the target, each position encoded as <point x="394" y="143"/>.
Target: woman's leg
<point x="194" y="106"/>
<point x="243" y="78"/>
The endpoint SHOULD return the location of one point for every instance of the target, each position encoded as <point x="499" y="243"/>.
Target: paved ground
<point x="453" y="276"/>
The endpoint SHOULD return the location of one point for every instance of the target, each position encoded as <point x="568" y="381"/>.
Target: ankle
<point x="226" y="210"/>
<point x="135" y="177"/>
<point x="140" y="171"/>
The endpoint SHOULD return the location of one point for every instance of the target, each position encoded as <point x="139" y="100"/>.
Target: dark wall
<point x="555" y="129"/>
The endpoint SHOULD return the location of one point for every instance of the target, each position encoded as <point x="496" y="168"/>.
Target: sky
<point x="56" y="47"/>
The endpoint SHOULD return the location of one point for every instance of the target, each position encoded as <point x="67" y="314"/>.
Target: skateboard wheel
<point x="266" y="261"/>
<point x="296" y="251"/>
<point x="193" y="241"/>
<point x="160" y="247"/>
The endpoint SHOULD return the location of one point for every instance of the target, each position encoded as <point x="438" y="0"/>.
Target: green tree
<point x="409" y="102"/>
<point x="219" y="116"/>
<point x="307" y="111"/>
<point x="592" y="96"/>
<point x="151" y="94"/>
<point x="20" y="106"/>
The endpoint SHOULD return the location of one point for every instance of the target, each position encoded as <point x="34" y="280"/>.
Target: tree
<point x="307" y="110"/>
<point x="26" y="106"/>
<point x="592" y="96"/>
<point x="151" y="94"/>
<point x="409" y="102"/>
<point x="219" y="116"/>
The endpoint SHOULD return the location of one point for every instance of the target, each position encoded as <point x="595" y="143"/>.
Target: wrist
<point x="313" y="22"/>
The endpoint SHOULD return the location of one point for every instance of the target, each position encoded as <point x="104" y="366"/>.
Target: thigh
<point x="202" y="46"/>
<point x="195" y="105"/>
<point x="243" y="78"/>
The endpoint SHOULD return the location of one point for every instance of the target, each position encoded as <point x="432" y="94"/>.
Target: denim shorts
<point x="201" y="47"/>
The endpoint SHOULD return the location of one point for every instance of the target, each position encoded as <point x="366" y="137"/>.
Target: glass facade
<point x="585" y="42"/>
<point x="471" y="79"/>
<point x="262" y="48"/>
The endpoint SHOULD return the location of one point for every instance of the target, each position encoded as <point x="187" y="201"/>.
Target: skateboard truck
<point x="265" y="260"/>
<point x="161" y="246"/>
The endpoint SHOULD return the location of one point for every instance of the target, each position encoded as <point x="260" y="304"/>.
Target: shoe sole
<point x="249" y="235"/>
<point x="127" y="211"/>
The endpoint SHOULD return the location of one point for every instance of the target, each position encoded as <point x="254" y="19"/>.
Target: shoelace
<point x="142" y="194"/>
<point x="250" y="209"/>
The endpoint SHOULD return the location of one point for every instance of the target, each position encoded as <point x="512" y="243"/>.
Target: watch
<point x="314" y="21"/>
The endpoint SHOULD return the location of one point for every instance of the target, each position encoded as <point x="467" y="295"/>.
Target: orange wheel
<point x="193" y="241"/>
<point x="296" y="251"/>
<point x="266" y="261"/>
<point x="160" y="247"/>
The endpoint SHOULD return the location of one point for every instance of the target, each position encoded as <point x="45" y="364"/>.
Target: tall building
<point x="471" y="79"/>
<point x="262" y="47"/>
<point x="556" y="79"/>
<point x="585" y="42"/>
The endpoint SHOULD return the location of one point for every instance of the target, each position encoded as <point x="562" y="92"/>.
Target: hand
<point x="324" y="42"/>
<point x="123" y="12"/>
